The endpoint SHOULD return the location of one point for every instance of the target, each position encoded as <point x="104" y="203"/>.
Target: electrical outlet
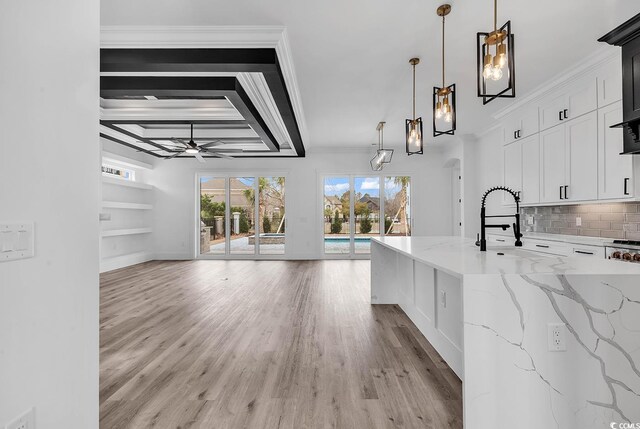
<point x="530" y="220"/>
<point x="557" y="337"/>
<point x="443" y="298"/>
<point x="25" y="421"/>
<point x="578" y="221"/>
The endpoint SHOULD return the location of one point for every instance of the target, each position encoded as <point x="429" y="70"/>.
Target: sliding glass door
<point x="241" y="216"/>
<point x="356" y="209"/>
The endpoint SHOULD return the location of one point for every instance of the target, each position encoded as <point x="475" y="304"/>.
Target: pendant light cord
<point x="443" y="51"/>
<point x="414" y="92"/>
<point x="495" y="15"/>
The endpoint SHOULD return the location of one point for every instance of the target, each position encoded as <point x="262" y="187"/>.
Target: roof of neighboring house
<point x="217" y="184"/>
<point x="367" y="199"/>
<point x="333" y="200"/>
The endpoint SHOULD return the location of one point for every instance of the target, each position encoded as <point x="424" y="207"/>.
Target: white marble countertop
<point x="460" y="256"/>
<point x="573" y="239"/>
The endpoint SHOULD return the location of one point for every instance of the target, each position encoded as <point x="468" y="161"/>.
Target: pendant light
<point x="496" y="63"/>
<point x="383" y="156"/>
<point x="444" y="98"/>
<point x="414" y="126"/>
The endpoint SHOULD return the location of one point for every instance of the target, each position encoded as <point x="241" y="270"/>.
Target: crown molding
<point x="562" y="79"/>
<point x="274" y="37"/>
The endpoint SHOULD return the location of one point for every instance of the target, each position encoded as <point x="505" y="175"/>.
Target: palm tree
<point x="403" y="182"/>
<point x="270" y="190"/>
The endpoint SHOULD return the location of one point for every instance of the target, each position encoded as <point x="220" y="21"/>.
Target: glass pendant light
<point x="414" y="126"/>
<point x="444" y="97"/>
<point x="382" y="156"/>
<point x="496" y="53"/>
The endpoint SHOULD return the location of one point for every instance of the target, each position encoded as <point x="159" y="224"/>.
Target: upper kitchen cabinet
<point x="521" y="124"/>
<point x="522" y="169"/>
<point x="610" y="83"/>
<point x="569" y="161"/>
<point x="615" y="178"/>
<point x="569" y="102"/>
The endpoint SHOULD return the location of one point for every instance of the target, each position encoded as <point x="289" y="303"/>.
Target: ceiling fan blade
<point x="199" y="157"/>
<point x="220" y="150"/>
<point x="219" y="155"/>
<point x="175" y="140"/>
<point x="212" y="143"/>
<point x="174" y="155"/>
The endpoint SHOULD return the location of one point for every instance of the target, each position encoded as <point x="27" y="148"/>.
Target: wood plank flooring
<point x="264" y="344"/>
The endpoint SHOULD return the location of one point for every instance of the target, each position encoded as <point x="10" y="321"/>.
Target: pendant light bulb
<point x="502" y="55"/>
<point x="496" y="73"/>
<point x="439" y="110"/>
<point x="487" y="71"/>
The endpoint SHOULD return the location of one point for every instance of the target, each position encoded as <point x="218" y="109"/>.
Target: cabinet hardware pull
<point x="626" y="186"/>
<point x="561" y="193"/>
<point x="515" y="136"/>
<point x="565" y="111"/>
<point x="566" y="189"/>
<point x="542" y="245"/>
<point x="582" y="252"/>
<point x="518" y="133"/>
<point x="560" y="115"/>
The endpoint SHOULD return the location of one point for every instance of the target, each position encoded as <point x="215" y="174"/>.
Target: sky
<point x="365" y="185"/>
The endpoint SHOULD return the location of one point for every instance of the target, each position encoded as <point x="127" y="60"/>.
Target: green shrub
<point x="336" y="225"/>
<point x="244" y="223"/>
<point x="266" y="225"/>
<point x="365" y="223"/>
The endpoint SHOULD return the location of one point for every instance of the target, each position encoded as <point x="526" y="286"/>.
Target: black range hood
<point x="627" y="36"/>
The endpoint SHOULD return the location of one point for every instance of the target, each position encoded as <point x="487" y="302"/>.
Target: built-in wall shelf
<point x="127" y="183"/>
<point x="120" y="232"/>
<point x="125" y="162"/>
<point x="128" y="206"/>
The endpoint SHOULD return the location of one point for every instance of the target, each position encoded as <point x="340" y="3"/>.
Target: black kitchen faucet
<point x="516" y="226"/>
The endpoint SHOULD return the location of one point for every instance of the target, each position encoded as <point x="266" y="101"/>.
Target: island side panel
<point x="511" y="376"/>
<point x="384" y="274"/>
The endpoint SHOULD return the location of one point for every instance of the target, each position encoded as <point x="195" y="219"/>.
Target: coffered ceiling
<point x="351" y="57"/>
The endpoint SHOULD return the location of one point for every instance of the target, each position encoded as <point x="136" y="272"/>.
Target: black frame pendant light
<point x="444" y="97"/>
<point x="383" y="156"/>
<point x="496" y="61"/>
<point x="413" y="126"/>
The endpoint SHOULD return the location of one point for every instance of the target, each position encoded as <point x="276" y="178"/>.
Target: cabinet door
<point x="581" y="98"/>
<point x="610" y="83"/>
<point x="529" y="122"/>
<point x="615" y="171"/>
<point x="530" y="169"/>
<point x="582" y="156"/>
<point x="512" y="169"/>
<point x="552" y="163"/>
<point x="551" y="111"/>
<point x="511" y="126"/>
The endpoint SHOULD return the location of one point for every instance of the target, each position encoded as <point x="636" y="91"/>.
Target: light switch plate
<point x="16" y="241"/>
<point x="578" y="221"/>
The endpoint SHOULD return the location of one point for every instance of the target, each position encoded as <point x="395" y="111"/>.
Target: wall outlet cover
<point x="578" y="221"/>
<point x="530" y="220"/>
<point x="557" y="337"/>
<point x="25" y="421"/>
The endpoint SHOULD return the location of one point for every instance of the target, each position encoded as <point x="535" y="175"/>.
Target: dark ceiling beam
<point x="259" y="60"/>
<point x="229" y="87"/>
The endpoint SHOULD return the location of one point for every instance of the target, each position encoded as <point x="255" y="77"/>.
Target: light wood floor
<point x="264" y="344"/>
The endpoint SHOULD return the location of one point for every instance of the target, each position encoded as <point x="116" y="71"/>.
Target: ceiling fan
<point x="196" y="150"/>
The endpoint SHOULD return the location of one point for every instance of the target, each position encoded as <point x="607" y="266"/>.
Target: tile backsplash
<point x="619" y="220"/>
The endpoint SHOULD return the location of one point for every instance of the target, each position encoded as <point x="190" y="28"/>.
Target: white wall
<point x="175" y="196"/>
<point x="49" y="174"/>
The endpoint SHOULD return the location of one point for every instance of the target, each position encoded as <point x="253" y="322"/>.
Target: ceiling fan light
<point x="192" y="150"/>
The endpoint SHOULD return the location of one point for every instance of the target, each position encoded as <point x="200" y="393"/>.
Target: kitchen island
<point x="539" y="341"/>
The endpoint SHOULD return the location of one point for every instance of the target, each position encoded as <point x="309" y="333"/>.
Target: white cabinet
<point x="530" y="170"/>
<point x="522" y="169"/>
<point x="569" y="161"/>
<point x="552" y="164"/>
<point x="569" y="103"/>
<point x="512" y="158"/>
<point x="521" y="124"/>
<point x="615" y="170"/>
<point x="610" y="82"/>
<point x="582" y="146"/>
